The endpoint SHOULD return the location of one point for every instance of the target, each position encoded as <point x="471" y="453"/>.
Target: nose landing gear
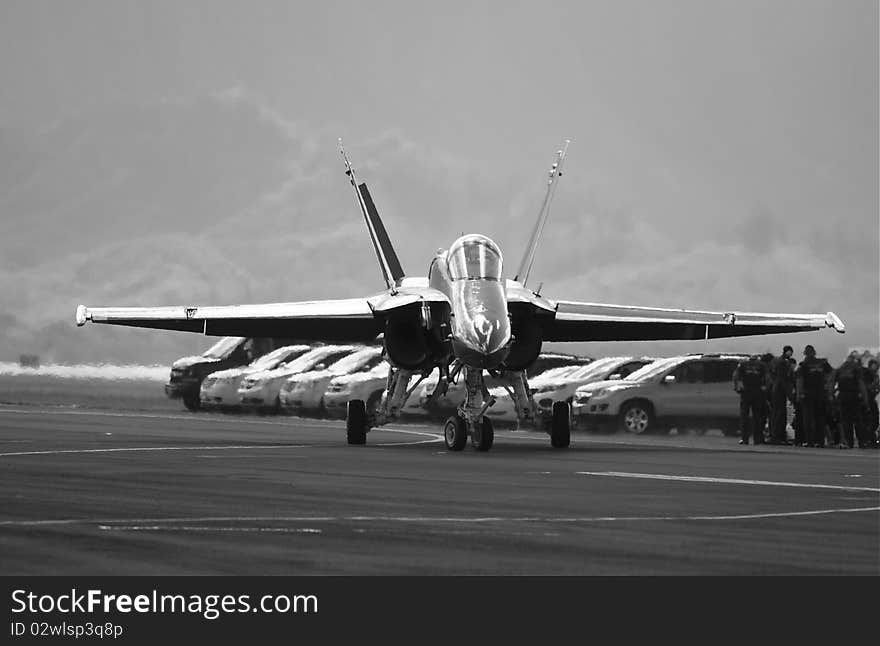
<point x="455" y="434"/>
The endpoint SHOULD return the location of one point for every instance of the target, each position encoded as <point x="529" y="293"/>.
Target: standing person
<point x="853" y="399"/>
<point x="872" y="386"/>
<point x="750" y="381"/>
<point x="811" y="381"/>
<point x="764" y="420"/>
<point x="797" y="423"/>
<point x="781" y="391"/>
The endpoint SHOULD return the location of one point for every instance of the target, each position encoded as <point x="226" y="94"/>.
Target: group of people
<point x="833" y="406"/>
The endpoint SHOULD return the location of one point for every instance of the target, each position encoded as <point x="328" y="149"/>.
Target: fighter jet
<point x="464" y="319"/>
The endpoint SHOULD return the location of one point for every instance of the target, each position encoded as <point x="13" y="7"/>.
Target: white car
<point x="584" y="394"/>
<point x="262" y="390"/>
<point x="504" y="410"/>
<point x="304" y="392"/>
<point x="367" y="386"/>
<point x="691" y="391"/>
<point x="220" y="389"/>
<point x="564" y="387"/>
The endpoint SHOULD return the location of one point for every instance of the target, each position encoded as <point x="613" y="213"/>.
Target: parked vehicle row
<point x="188" y="373"/>
<point x="221" y="388"/>
<point x="632" y="394"/>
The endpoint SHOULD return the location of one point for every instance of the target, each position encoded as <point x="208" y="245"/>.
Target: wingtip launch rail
<point x="525" y="266"/>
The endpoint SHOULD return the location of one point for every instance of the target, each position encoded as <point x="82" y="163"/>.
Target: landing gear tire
<point x="455" y="433"/>
<point x="637" y="418"/>
<point x="356" y="422"/>
<point x="560" y="425"/>
<point x="483" y="435"/>
<point x="192" y="402"/>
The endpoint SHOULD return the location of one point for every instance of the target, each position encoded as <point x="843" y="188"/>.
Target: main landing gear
<point x="527" y="413"/>
<point x="560" y="425"/>
<point x="359" y="420"/>
<point x="356" y="422"/>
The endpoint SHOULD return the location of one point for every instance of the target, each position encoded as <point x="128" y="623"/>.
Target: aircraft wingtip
<point x="833" y="321"/>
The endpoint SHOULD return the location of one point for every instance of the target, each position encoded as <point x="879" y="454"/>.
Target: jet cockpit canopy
<point x="474" y="257"/>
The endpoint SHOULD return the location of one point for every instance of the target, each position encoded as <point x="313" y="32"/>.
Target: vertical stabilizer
<point x="525" y="265"/>
<point x="389" y="263"/>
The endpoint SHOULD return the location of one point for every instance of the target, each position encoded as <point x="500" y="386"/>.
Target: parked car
<point x="549" y="360"/>
<point x="504" y="410"/>
<point x="220" y="389"/>
<point x="564" y="387"/>
<point x="367" y="386"/>
<point x="445" y="405"/>
<point x="187" y="373"/>
<point x="677" y="392"/>
<point x="304" y="392"/>
<point x="261" y="390"/>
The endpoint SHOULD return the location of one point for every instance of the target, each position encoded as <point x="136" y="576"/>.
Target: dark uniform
<point x="811" y="379"/>
<point x="781" y="391"/>
<point x="872" y="386"/>
<point x="797" y="423"/>
<point x="853" y="400"/>
<point x="764" y="421"/>
<point x="750" y="381"/>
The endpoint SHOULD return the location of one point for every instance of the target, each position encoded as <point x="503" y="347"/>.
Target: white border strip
<point x="660" y="476"/>
<point x="184" y="523"/>
<point x="161" y="448"/>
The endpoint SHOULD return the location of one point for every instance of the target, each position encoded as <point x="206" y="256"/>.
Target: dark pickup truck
<point x="187" y="373"/>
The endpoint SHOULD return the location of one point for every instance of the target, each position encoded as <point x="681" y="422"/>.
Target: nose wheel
<point x="483" y="435"/>
<point x="455" y="433"/>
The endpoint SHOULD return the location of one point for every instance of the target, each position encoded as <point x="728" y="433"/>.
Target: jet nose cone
<point x="488" y="335"/>
<point x="487" y="341"/>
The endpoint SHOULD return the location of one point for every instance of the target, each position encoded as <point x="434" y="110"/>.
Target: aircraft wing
<point x="330" y="320"/>
<point x="576" y="321"/>
<point x="342" y="320"/>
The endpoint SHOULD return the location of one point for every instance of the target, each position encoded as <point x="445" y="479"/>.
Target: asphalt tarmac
<point x="90" y="492"/>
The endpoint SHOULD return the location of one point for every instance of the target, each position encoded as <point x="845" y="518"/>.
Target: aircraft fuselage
<point x="470" y="275"/>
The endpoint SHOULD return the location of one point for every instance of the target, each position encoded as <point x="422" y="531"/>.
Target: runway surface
<point x="88" y="492"/>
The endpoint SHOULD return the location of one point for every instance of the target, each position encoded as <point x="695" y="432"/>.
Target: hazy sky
<point x="732" y="139"/>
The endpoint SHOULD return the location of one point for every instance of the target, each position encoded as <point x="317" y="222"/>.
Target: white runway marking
<point x="177" y="523"/>
<point x="432" y="437"/>
<point x="92" y="413"/>
<point x="771" y="483"/>
<point x="209" y="528"/>
<point x="160" y="448"/>
<point x="283" y="421"/>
